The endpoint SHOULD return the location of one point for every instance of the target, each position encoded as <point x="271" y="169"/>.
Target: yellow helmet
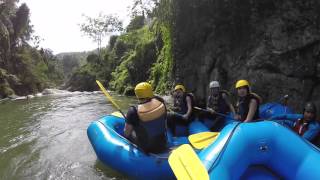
<point x="242" y="83"/>
<point x="143" y="90"/>
<point x="179" y="86"/>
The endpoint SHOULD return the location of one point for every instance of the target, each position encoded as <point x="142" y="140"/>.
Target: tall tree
<point x="143" y="7"/>
<point x="98" y="28"/>
<point x="21" y="25"/>
<point x="69" y="62"/>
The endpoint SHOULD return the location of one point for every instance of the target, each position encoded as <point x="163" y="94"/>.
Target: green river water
<point x="45" y="137"/>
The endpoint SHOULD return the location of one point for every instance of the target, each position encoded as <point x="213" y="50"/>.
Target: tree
<point x="69" y="63"/>
<point x="112" y="41"/>
<point x="143" y="7"/>
<point x="35" y="40"/>
<point x="98" y="28"/>
<point x="7" y="7"/>
<point x="21" y="25"/>
<point x="136" y="22"/>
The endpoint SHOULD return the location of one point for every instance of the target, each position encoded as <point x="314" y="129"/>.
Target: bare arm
<point x="127" y="129"/>
<point x="232" y="109"/>
<point x="252" y="110"/>
<point x="229" y="103"/>
<point x="189" y="104"/>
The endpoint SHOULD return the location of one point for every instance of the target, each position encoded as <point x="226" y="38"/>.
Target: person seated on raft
<point x="248" y="102"/>
<point x="146" y="123"/>
<point x="304" y="124"/>
<point x="218" y="101"/>
<point x="182" y="108"/>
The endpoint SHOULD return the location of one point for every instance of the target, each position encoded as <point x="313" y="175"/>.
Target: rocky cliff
<point x="273" y="44"/>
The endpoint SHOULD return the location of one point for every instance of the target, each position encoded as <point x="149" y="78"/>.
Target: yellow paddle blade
<point x="186" y="165"/>
<point x="117" y="114"/>
<point x="202" y="140"/>
<point x="105" y="92"/>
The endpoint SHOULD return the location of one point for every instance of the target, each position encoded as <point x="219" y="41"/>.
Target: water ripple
<point x="45" y="137"/>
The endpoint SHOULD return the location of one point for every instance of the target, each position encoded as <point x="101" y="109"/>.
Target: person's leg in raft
<point x="175" y="119"/>
<point x="218" y="124"/>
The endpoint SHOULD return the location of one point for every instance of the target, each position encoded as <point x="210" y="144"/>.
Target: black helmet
<point x="310" y="107"/>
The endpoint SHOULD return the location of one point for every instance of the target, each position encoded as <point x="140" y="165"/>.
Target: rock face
<point x="273" y="44"/>
<point x="7" y="81"/>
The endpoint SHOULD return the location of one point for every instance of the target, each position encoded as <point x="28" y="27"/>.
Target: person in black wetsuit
<point x="182" y="108"/>
<point x="218" y="102"/>
<point x="248" y="103"/>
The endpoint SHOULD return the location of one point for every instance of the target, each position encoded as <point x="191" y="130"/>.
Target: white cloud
<point x="56" y="21"/>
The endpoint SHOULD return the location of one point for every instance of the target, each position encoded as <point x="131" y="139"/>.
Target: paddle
<point x="203" y="139"/>
<point x="223" y="115"/>
<point x="117" y="114"/>
<point x="105" y="92"/>
<point x="186" y="165"/>
<point x="220" y="114"/>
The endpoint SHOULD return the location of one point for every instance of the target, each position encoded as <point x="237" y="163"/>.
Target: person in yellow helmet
<point x="182" y="108"/>
<point x="248" y="102"/>
<point x="146" y="123"/>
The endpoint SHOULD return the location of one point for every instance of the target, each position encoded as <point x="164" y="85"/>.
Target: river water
<point x="45" y="137"/>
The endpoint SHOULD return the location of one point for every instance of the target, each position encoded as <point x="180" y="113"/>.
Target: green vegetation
<point x="162" y="70"/>
<point x="70" y="61"/>
<point x="142" y="53"/>
<point x="136" y="62"/>
<point x="147" y="54"/>
<point x="98" y="28"/>
<point x="24" y="69"/>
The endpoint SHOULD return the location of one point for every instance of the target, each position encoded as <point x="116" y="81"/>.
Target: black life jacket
<point x="152" y="118"/>
<point x="243" y="106"/>
<point x="180" y="103"/>
<point x="218" y="103"/>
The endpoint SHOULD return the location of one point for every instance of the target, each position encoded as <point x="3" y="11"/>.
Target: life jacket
<point x="180" y="103"/>
<point x="243" y="106"/>
<point x="152" y="117"/>
<point x="300" y="127"/>
<point x="218" y="103"/>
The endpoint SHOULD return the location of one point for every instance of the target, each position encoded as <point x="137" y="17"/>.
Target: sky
<point x="57" y="21"/>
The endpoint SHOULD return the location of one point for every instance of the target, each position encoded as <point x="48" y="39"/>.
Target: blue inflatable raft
<point x="266" y="111"/>
<point x="260" y="150"/>
<point x="115" y="151"/>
